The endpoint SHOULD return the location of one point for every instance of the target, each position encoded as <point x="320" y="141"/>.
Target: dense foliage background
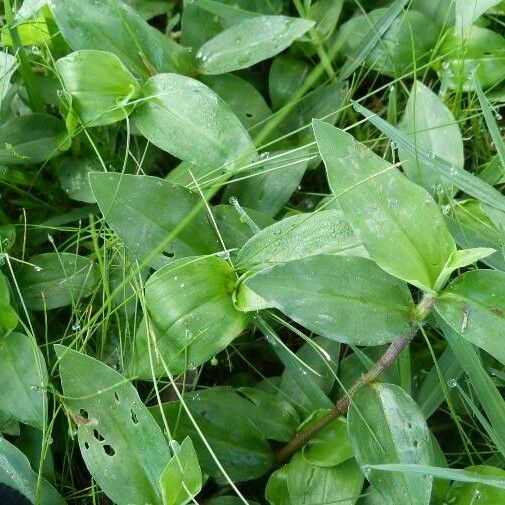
<point x="252" y="251"/>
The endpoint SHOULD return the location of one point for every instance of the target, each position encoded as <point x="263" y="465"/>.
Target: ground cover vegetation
<point x="252" y="251"/>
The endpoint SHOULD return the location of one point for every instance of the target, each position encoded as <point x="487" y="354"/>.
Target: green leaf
<point x="473" y="305"/>
<point x="297" y="237"/>
<point x="386" y="426"/>
<point x="73" y="177"/>
<point x="23" y="380"/>
<point x="115" y="430"/>
<point x="468" y="11"/>
<point x="379" y="204"/>
<point x="470" y="493"/>
<point x="249" y="42"/>
<point x="460" y="259"/>
<point x="245" y="101"/>
<point x="309" y="375"/>
<point x="269" y="186"/>
<point x="110" y="25"/>
<point x="8" y="65"/>
<point x="190" y="304"/>
<point x="433" y="128"/>
<point x="273" y="415"/>
<point x="308" y="484"/>
<point x="276" y="491"/>
<point x="396" y="52"/>
<point x="286" y="76"/>
<point x="8" y="316"/>
<point x="480" y="55"/>
<point x="15" y="472"/>
<point x="329" y="295"/>
<point x="100" y="86"/>
<point x="331" y="446"/>
<point x="187" y="119"/>
<point x="146" y="213"/>
<point x="181" y="479"/>
<point x="33" y="138"/>
<point x="56" y="280"/>
<point x="229" y="424"/>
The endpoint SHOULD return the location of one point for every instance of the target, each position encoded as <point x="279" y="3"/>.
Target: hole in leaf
<point x="409" y="426"/>
<point x="116" y="396"/>
<point x="109" y="450"/>
<point x="98" y="436"/>
<point x="168" y="254"/>
<point x="416" y="443"/>
<point x="86" y="445"/>
<point x="248" y="114"/>
<point x="84" y="413"/>
<point x="134" y="417"/>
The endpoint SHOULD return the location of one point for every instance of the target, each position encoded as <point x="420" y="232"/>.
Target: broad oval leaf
<point x="309" y="484"/>
<point x="473" y="305"/>
<point x="344" y="298"/>
<point x="56" y="280"/>
<point x="297" y="237"/>
<point x="23" y="380"/>
<point x="15" y="472"/>
<point x="229" y="424"/>
<point x="466" y="493"/>
<point x="379" y="204"/>
<point x="242" y="97"/>
<point x="116" y="431"/>
<point x="146" y="211"/>
<point x="387" y="427"/>
<point x="190" y="304"/>
<point x="249" y="42"/>
<point x="468" y="11"/>
<point x="33" y="138"/>
<point x="181" y="479"/>
<point x="187" y="119"/>
<point x="100" y="86"/>
<point x="331" y="446"/>
<point x="112" y="26"/>
<point x="433" y="127"/>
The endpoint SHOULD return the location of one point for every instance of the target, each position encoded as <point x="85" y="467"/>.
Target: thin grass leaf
<point x="441" y="473"/>
<point x="464" y="180"/>
<point x="372" y="39"/>
<point x="492" y="126"/>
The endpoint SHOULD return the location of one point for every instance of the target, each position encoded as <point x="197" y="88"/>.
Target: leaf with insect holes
<point x="473" y="305"/>
<point x="399" y="222"/>
<point x="116" y="432"/>
<point x="386" y="426"/>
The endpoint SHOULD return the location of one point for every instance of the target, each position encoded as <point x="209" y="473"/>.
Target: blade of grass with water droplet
<point x="464" y="180"/>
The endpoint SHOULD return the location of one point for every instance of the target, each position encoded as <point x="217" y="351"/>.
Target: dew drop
<point x="452" y="383"/>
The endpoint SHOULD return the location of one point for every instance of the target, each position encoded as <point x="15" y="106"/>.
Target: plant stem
<point x="340" y="408"/>
<point x="31" y="85"/>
